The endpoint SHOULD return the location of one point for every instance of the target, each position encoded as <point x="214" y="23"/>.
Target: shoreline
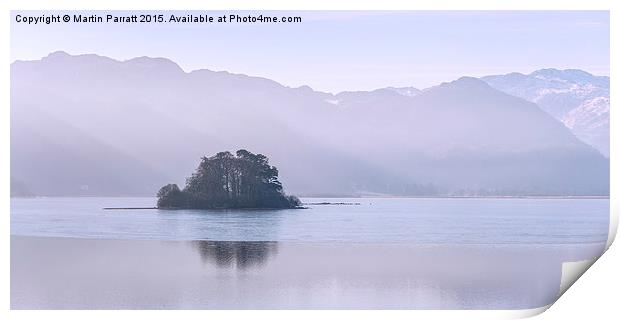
<point x="559" y="197"/>
<point x="213" y="209"/>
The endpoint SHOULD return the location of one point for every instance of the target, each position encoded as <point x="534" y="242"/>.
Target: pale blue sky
<point x="336" y="51"/>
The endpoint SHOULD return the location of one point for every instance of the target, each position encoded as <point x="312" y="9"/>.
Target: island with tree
<point x="225" y="181"/>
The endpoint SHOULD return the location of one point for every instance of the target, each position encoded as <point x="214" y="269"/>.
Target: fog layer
<point x="91" y="125"/>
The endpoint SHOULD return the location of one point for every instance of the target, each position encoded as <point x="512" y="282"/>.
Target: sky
<point x="342" y="50"/>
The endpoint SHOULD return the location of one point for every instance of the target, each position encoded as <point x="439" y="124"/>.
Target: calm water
<point x="406" y="221"/>
<point x="71" y="273"/>
<point x="69" y="253"/>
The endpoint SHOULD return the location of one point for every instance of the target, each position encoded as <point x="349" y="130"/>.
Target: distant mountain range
<point x="576" y="98"/>
<point x="91" y="125"/>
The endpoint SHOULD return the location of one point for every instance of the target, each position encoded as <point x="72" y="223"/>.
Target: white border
<point x="285" y="5"/>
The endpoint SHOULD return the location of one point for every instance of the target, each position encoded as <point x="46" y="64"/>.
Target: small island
<point x="226" y="181"/>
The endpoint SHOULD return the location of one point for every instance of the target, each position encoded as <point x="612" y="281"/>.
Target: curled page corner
<point x="613" y="224"/>
<point x="528" y="313"/>
<point x="571" y="272"/>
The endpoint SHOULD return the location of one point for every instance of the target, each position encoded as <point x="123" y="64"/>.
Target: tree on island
<point x="244" y="180"/>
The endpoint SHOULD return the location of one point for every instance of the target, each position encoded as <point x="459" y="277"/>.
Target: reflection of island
<point x="239" y="254"/>
<point x="244" y="180"/>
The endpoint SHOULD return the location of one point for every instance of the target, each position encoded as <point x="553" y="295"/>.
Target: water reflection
<point x="63" y="273"/>
<point x="236" y="254"/>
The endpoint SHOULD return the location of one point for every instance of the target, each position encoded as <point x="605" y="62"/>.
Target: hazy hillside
<point x="51" y="157"/>
<point x="127" y="127"/>
<point x="578" y="99"/>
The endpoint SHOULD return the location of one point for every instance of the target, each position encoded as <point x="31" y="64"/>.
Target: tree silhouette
<point x="243" y="180"/>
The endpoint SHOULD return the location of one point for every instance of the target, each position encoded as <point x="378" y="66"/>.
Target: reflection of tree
<point x="239" y="254"/>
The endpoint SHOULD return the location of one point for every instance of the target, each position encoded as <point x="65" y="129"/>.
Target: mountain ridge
<point x="430" y="143"/>
<point x="571" y="96"/>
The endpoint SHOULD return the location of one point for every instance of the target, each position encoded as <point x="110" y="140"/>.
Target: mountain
<point x="578" y="99"/>
<point x="52" y="157"/>
<point x="18" y="189"/>
<point x="406" y="91"/>
<point x="91" y="125"/>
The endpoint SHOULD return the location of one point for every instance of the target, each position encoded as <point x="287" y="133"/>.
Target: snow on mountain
<point x="590" y="122"/>
<point x="577" y="98"/>
<point x="406" y="91"/>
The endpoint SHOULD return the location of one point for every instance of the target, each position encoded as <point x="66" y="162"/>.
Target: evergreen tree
<point x="243" y="180"/>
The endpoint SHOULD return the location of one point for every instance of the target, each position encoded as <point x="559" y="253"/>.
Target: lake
<point x="385" y="253"/>
<point x="375" y="220"/>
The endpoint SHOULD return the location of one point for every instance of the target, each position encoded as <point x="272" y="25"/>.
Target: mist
<point x="91" y="125"/>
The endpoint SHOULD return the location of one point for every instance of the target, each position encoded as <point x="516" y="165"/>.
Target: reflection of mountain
<point x="89" y="124"/>
<point x="237" y="254"/>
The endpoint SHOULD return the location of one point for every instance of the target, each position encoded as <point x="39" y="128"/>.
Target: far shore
<point x="209" y="209"/>
<point x="347" y="197"/>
